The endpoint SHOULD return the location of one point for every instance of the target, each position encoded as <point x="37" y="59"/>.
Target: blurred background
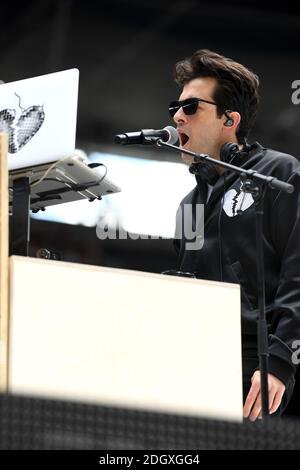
<point x="125" y="52"/>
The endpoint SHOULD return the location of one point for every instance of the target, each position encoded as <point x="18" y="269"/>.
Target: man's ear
<point x="233" y="118"/>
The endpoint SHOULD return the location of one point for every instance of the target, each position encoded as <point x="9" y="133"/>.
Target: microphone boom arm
<point x="272" y="182"/>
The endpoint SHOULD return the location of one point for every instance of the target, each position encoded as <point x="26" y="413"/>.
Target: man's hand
<point x="252" y="406"/>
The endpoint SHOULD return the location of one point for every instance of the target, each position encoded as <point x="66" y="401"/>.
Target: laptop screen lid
<point x="39" y="115"/>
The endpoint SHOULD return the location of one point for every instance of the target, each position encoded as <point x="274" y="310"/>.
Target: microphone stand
<point x="256" y="184"/>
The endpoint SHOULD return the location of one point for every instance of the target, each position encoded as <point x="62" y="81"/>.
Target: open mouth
<point x="184" y="138"/>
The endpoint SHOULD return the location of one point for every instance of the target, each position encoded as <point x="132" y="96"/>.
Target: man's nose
<point x="179" y="117"/>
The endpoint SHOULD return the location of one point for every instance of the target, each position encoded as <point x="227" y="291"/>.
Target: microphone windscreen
<point x="173" y="135"/>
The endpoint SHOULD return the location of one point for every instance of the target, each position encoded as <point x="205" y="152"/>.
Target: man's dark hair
<point x="236" y="90"/>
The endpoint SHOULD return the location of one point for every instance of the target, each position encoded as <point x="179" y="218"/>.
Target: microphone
<point x="148" y="136"/>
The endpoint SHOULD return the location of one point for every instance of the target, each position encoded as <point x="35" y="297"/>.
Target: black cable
<point x="247" y="149"/>
<point x="219" y="228"/>
<point x="219" y="222"/>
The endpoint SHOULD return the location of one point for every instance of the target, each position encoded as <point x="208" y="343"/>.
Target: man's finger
<point x="272" y="395"/>
<point x="256" y="409"/>
<point x="276" y="402"/>
<point x="251" y="397"/>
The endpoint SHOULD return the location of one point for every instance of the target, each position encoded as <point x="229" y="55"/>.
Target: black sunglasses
<point x="189" y="106"/>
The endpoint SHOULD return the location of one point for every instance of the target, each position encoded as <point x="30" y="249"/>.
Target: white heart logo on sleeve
<point x="236" y="201"/>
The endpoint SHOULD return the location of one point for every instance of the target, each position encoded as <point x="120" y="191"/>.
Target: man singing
<point x="218" y="104"/>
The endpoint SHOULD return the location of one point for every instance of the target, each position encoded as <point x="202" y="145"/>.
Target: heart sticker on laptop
<point x="27" y="126"/>
<point x="21" y="128"/>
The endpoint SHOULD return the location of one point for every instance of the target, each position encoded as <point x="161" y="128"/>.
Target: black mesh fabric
<point x="33" y="423"/>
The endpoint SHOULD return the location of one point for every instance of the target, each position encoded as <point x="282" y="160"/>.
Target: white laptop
<point x="39" y="115"/>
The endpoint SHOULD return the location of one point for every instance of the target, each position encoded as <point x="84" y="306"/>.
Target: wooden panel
<point x="125" y="338"/>
<point x="3" y="261"/>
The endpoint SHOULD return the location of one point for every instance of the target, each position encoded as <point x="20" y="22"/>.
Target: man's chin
<point x="188" y="159"/>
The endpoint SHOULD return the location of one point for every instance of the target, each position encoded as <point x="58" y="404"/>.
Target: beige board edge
<point x="128" y="272"/>
<point x="4" y="265"/>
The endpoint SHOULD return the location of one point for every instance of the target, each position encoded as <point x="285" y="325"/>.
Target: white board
<point x="125" y="338"/>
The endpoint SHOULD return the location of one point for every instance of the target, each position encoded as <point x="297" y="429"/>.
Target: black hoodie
<point x="228" y="253"/>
